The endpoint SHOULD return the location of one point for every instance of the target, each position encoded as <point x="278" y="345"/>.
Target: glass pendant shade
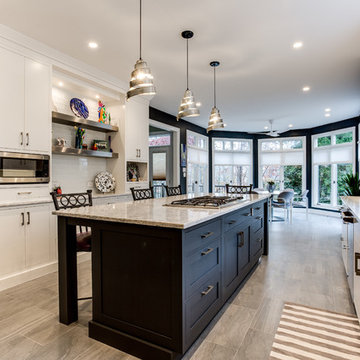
<point x="141" y="82"/>
<point x="215" y="121"/>
<point x="188" y="106"/>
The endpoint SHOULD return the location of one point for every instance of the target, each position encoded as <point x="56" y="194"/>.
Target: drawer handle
<point x="208" y="251"/>
<point x="208" y="234"/>
<point x="241" y="239"/>
<point x="231" y="222"/>
<point x="357" y="260"/>
<point x="207" y="291"/>
<point x="258" y="208"/>
<point x="22" y="219"/>
<point x="27" y="139"/>
<point x="24" y="193"/>
<point x="258" y="217"/>
<point x="258" y="240"/>
<point x="28" y="217"/>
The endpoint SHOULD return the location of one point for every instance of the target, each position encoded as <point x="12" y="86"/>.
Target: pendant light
<point x="215" y="121"/>
<point x="141" y="82"/>
<point x="188" y="106"/>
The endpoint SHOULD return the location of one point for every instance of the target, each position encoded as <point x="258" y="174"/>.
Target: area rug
<point x="307" y="333"/>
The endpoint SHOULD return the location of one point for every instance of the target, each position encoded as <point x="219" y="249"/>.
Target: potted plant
<point x="270" y="185"/>
<point x="351" y="184"/>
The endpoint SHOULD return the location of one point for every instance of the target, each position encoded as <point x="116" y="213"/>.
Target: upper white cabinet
<point x="137" y="131"/>
<point x="24" y="98"/>
<point x="12" y="102"/>
<point x="37" y="106"/>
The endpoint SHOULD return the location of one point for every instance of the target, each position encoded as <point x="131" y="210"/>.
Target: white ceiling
<point x="260" y="76"/>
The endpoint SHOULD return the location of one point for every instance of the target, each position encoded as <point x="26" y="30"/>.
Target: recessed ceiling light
<point x="266" y="127"/>
<point x="297" y="45"/>
<point x="61" y="84"/>
<point x="306" y="88"/>
<point x="198" y="104"/>
<point x="97" y="96"/>
<point x="327" y="109"/>
<point x="327" y="115"/>
<point x="93" y="45"/>
<point x="291" y="125"/>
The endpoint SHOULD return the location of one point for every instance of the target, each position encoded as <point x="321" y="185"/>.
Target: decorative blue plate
<point x="79" y="108"/>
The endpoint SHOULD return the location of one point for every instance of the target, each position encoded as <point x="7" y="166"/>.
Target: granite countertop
<point x="353" y="203"/>
<point x="151" y="212"/>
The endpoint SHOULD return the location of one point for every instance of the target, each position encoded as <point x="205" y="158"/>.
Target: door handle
<point x="27" y="139"/>
<point x="22" y="219"/>
<point x="357" y="267"/>
<point x="139" y="152"/>
<point x="21" y="138"/>
<point x="208" y="234"/>
<point x="241" y="239"/>
<point x="208" y="251"/>
<point x="207" y="291"/>
<point x="28" y="217"/>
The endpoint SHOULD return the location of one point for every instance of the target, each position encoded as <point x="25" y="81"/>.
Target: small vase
<point x="271" y="188"/>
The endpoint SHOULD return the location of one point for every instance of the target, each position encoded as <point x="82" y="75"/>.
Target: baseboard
<point x="21" y="277"/>
<point x="324" y="212"/>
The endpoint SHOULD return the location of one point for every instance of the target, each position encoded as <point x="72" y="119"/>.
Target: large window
<point x="232" y="163"/>
<point x="283" y="161"/>
<point x="197" y="162"/>
<point x="333" y="157"/>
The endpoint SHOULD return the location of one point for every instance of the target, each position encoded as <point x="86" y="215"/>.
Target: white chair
<point x="284" y="201"/>
<point x="302" y="201"/>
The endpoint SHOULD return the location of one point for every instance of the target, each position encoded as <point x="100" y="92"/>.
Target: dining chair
<point x="173" y="190"/>
<point x="238" y="189"/>
<point x="284" y="201"/>
<point x="142" y="194"/>
<point x="72" y="201"/>
<point x="302" y="201"/>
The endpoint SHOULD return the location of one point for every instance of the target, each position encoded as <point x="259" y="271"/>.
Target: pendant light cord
<point x="140" y="26"/>
<point x="187" y="64"/>
<point x="214" y="87"/>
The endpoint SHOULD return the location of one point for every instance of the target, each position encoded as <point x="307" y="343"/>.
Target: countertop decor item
<point x="141" y="82"/>
<point x="79" y="108"/>
<point x="187" y="106"/>
<point x="215" y="121"/>
<point x="105" y="182"/>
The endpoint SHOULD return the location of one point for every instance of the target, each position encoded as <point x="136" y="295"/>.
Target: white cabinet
<point x="12" y="100"/>
<point x="356" y="256"/>
<point x="137" y="131"/>
<point x="37" y="106"/>
<point x="25" y="103"/>
<point x="25" y="239"/>
<point x="12" y="241"/>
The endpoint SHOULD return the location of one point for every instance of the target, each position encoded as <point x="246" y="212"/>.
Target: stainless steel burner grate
<point x="206" y="201"/>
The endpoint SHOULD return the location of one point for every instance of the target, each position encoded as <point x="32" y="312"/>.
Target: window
<point x="283" y="160"/>
<point x="197" y="162"/>
<point x="160" y="140"/>
<point x="232" y="163"/>
<point x="333" y="157"/>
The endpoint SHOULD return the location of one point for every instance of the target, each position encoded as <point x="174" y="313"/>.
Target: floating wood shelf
<point x="63" y="150"/>
<point x="69" y="120"/>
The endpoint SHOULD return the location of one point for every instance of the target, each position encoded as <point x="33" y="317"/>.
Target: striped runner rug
<point x="307" y="333"/>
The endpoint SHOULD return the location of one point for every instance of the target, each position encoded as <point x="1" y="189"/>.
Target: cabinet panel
<point x="11" y="100"/>
<point x="37" y="220"/>
<point x="12" y="241"/>
<point x="37" y="107"/>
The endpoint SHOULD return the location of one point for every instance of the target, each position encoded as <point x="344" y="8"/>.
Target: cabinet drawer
<point x="202" y="306"/>
<point x="258" y="210"/>
<point x="258" y="223"/>
<point x="236" y="218"/>
<point x="256" y="243"/>
<point x="199" y="264"/>
<point x="201" y="236"/>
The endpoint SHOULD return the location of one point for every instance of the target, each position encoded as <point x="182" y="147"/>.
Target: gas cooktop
<point x="208" y="201"/>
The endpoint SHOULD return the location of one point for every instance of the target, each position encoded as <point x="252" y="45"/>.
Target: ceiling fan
<point x="271" y="132"/>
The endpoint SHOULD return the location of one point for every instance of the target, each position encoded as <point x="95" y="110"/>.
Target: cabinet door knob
<point x="207" y="291"/>
<point x="27" y="139"/>
<point x="28" y="217"/>
<point x="208" y="234"/>
<point x="208" y="251"/>
<point x="22" y="219"/>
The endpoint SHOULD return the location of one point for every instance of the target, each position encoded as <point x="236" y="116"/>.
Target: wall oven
<point x="19" y="168"/>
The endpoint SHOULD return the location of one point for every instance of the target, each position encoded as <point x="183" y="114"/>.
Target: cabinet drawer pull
<point x="231" y="222"/>
<point x="241" y="239"/>
<point x="24" y="192"/>
<point x="27" y="139"/>
<point x="208" y="234"/>
<point x="21" y="138"/>
<point x="22" y="219"/>
<point x="28" y="217"/>
<point x="207" y="291"/>
<point x="258" y="217"/>
<point x="258" y="208"/>
<point x="208" y="251"/>
<point x="258" y="240"/>
<point x="357" y="261"/>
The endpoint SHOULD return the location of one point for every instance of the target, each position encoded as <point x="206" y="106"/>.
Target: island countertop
<point x="152" y="212"/>
<point x="353" y="203"/>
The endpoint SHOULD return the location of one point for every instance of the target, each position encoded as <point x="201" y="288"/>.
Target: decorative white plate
<point x="105" y="182"/>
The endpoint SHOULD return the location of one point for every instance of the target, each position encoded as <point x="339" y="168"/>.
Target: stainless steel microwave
<point x="20" y="168"/>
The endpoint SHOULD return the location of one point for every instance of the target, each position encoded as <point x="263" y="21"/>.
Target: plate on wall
<point x="105" y="182"/>
<point x="79" y="108"/>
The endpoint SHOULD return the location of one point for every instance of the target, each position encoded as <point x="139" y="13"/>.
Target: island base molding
<point x="130" y="344"/>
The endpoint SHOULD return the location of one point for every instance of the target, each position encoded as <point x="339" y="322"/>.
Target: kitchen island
<point x="160" y="273"/>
